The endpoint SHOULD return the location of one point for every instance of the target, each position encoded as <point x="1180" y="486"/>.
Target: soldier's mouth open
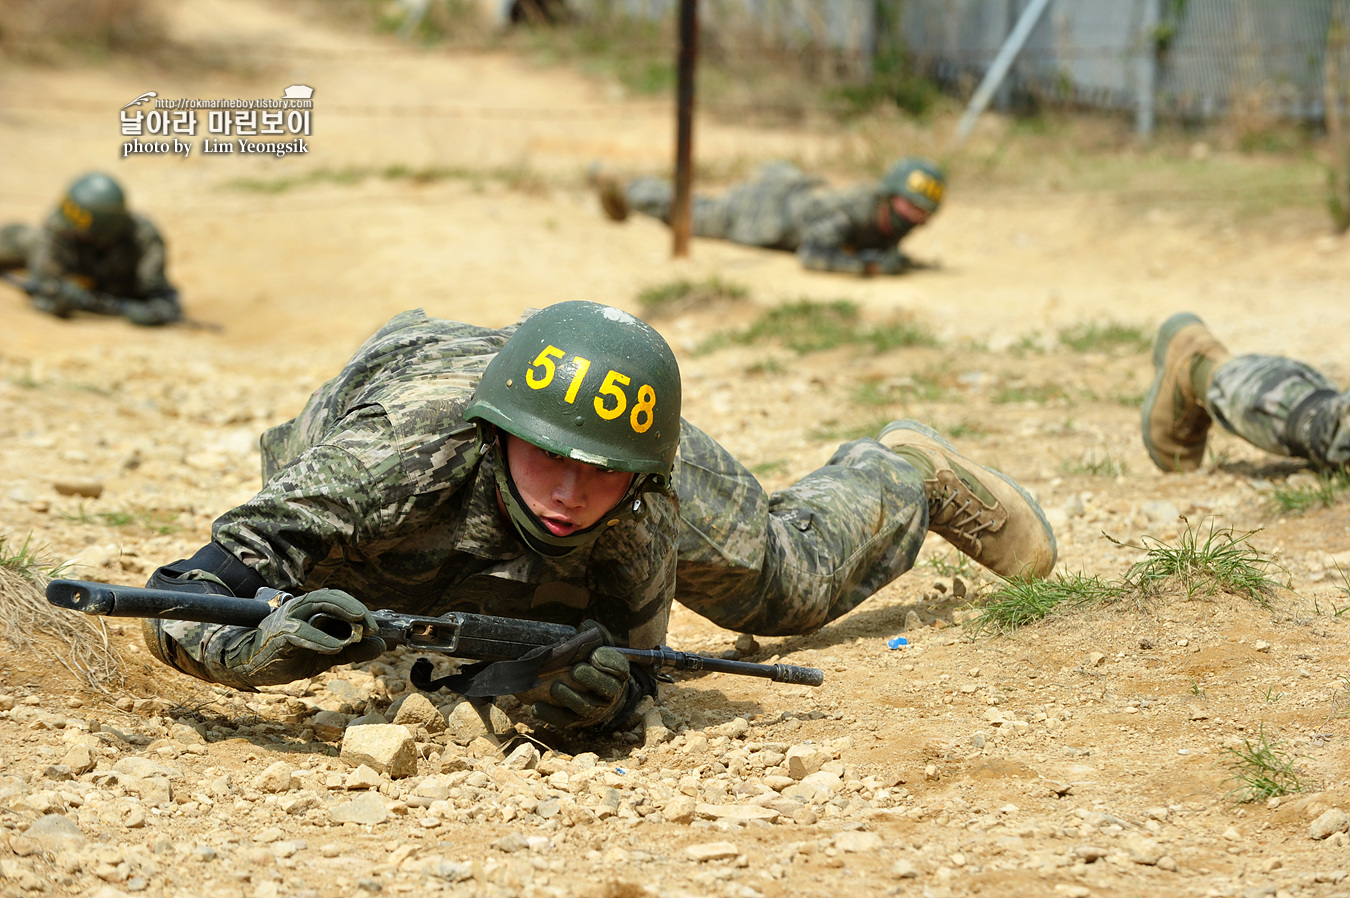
<point x="559" y="527"/>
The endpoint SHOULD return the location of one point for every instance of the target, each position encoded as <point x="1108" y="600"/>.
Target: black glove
<point x="289" y="645"/>
<point x="585" y="683"/>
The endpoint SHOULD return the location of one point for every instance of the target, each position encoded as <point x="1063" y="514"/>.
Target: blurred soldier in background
<point x="1275" y="403"/>
<point x="93" y="255"/>
<point x="856" y="230"/>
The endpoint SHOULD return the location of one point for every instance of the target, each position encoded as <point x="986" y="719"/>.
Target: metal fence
<point x="1198" y="59"/>
<point x="1201" y="58"/>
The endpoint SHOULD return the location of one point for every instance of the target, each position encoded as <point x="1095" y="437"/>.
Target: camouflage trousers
<point x="790" y="562"/>
<point x="761" y="212"/>
<point x="654" y="197"/>
<point x="1282" y="406"/>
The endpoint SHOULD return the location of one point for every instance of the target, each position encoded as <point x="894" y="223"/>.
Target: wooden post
<point x="680" y="210"/>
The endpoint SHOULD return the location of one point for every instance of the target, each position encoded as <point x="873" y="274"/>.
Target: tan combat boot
<point x="1175" y="420"/>
<point x="977" y="509"/>
<point x="610" y="190"/>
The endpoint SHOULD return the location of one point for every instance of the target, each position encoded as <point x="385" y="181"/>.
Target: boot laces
<point x="958" y="513"/>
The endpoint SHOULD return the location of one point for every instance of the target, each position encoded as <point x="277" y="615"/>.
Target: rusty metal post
<point x="680" y="210"/>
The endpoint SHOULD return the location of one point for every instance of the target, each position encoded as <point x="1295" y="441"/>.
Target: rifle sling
<point x="486" y="679"/>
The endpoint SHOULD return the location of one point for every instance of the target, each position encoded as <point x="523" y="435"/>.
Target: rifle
<point x="34" y="289"/>
<point x="479" y="637"/>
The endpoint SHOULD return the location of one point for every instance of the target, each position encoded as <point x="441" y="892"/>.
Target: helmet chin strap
<point x="533" y="532"/>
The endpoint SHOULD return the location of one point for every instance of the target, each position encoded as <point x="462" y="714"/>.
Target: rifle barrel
<point x="779" y="673"/>
<point x="116" y="601"/>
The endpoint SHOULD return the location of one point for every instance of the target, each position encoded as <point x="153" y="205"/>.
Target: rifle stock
<point x="479" y="637"/>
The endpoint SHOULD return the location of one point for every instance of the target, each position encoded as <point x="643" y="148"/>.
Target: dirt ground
<point x="1090" y="754"/>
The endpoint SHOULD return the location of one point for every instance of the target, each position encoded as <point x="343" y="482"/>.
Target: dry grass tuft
<point x="32" y="626"/>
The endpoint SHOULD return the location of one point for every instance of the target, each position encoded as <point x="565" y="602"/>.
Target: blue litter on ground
<point x="896" y="642"/>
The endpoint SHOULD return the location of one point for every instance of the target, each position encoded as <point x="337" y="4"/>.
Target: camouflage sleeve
<point x="154" y="300"/>
<point x="332" y="495"/>
<point x="194" y="649"/>
<point x="326" y="498"/>
<point x="633" y="576"/>
<point x="56" y="294"/>
<point x="823" y="237"/>
<point x="819" y="257"/>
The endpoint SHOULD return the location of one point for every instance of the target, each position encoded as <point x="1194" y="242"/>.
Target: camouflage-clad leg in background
<point x="760" y="212"/>
<point x="16" y="240"/>
<point x="792" y="561"/>
<point x="1283" y="406"/>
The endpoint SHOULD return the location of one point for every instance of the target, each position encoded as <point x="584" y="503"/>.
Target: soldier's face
<point x="908" y="211"/>
<point x="566" y="495"/>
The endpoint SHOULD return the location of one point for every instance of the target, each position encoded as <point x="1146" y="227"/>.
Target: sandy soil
<point x="1089" y="754"/>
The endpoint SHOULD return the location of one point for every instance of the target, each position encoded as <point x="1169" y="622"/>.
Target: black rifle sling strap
<point x="489" y="679"/>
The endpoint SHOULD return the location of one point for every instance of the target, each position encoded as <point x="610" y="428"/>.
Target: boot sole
<point x="942" y="441"/>
<point x="1169" y="329"/>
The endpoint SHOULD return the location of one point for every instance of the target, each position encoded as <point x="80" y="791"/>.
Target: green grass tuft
<point x="1327" y="487"/>
<point x="684" y="295"/>
<point x="24" y="561"/>
<point x="808" y="325"/>
<point x="1037" y="394"/>
<point x="1263" y="769"/>
<point x="1095" y="465"/>
<point x="1220" y="560"/>
<point x="1021" y="601"/>
<point x="1105" y="337"/>
<point x="516" y="177"/>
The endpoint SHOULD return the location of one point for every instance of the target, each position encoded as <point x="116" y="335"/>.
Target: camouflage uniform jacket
<point x="829" y="230"/>
<point x="380" y="488"/>
<point x="126" y="278"/>
<point x="839" y="230"/>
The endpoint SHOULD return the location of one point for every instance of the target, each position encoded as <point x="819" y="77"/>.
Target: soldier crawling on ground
<point x="543" y="472"/>
<point x="856" y="230"/>
<point x="1275" y="403"/>
<point x="93" y="255"/>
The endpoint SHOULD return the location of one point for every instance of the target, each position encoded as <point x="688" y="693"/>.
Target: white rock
<point x="1332" y="821"/>
<point x="736" y="812"/>
<point x="417" y="711"/>
<point x="904" y="869"/>
<point x="680" y="809"/>
<point x="712" y="851"/>
<point x="523" y="757"/>
<point x="387" y="748"/>
<point x="276" y="778"/>
<point x="857" y="842"/>
<point x="804" y="760"/>
<point x="363" y="777"/>
<point x="367" y="810"/>
<point x="464" y="723"/>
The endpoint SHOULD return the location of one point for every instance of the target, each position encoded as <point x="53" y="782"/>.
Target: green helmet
<point x="590" y="383"/>
<point x="918" y="180"/>
<point x="94" y="209"/>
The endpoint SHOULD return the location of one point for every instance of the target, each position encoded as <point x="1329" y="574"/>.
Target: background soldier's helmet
<point x="918" y="180"/>
<point x="94" y="209"/>
<point x="591" y="383"/>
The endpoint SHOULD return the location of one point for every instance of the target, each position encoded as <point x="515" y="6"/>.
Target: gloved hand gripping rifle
<point x="513" y="650"/>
